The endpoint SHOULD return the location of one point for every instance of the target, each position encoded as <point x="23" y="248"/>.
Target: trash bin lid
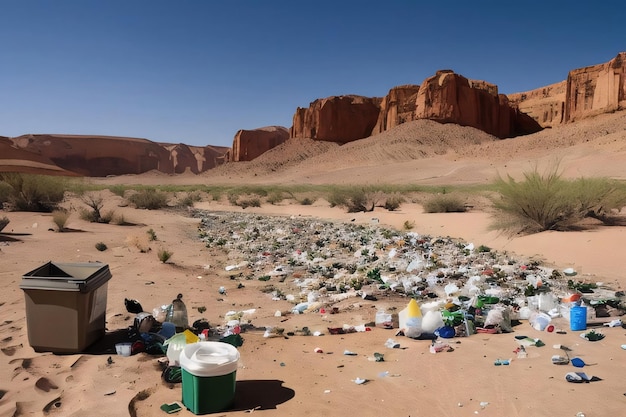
<point x="209" y="358"/>
<point x="79" y="277"/>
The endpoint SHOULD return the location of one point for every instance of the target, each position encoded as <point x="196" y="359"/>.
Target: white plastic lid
<point x="209" y="358"/>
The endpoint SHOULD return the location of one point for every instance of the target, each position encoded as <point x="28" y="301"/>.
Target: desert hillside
<point x="426" y="152"/>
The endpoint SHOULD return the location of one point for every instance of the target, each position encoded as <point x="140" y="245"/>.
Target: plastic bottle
<point x="177" y="314"/>
<point x="411" y="319"/>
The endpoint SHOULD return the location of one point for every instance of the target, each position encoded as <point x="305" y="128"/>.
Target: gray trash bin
<point x="65" y="305"/>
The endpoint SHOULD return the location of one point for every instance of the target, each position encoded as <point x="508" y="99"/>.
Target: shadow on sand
<point x="260" y="394"/>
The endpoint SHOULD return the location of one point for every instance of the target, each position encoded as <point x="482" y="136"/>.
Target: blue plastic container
<point x="578" y="318"/>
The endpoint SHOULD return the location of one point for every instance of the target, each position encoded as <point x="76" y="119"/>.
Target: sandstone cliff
<point x="587" y="92"/>
<point x="447" y="97"/>
<point x="546" y="104"/>
<point x="338" y="119"/>
<point x="596" y="89"/>
<point x="98" y="156"/>
<point x="249" y="144"/>
<point x="397" y="107"/>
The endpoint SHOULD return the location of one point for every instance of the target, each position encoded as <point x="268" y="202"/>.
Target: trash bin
<point x="65" y="305"/>
<point x="208" y="376"/>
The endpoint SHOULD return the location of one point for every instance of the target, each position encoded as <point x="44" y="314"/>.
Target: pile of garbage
<point x="459" y="285"/>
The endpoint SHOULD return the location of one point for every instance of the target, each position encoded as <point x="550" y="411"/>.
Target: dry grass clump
<point x="150" y="199"/>
<point x="444" y="203"/>
<point x="60" y="218"/>
<point x="139" y="242"/>
<point x="364" y="199"/>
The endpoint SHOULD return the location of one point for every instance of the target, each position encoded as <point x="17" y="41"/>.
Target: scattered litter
<point x="390" y="343"/>
<point x="379" y="357"/>
<point x="349" y="353"/>
<point x="560" y="360"/>
<point x="359" y="381"/>
<point x="499" y="362"/>
<point x="579" y="377"/>
<point x="592" y="336"/>
<point x="318" y="350"/>
<point x="577" y="362"/>
<point x="171" y="408"/>
<point x="614" y="323"/>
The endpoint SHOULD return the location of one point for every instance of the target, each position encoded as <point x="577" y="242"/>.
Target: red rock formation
<point x="98" y="156"/>
<point x="248" y="144"/>
<point x="546" y="104"/>
<point x="397" y="107"/>
<point x="451" y="98"/>
<point x="596" y="89"/>
<point x="338" y="119"/>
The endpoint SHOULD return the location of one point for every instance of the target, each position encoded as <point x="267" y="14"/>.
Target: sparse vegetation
<point x="119" y="190"/>
<point x="190" y="199"/>
<point x="151" y="235"/>
<point x="444" y="203"/>
<point x="393" y="202"/>
<point x="95" y="203"/>
<point x="275" y="197"/>
<point x="139" y="242"/>
<point x="150" y="199"/>
<point x="353" y="200"/>
<point x="164" y="255"/>
<point x="307" y="201"/>
<point x="101" y="246"/>
<point x="408" y="225"/>
<point x="60" y="218"/>
<point x="26" y="192"/>
<point x="546" y="201"/>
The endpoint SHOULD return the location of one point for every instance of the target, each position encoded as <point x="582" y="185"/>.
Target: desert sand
<point x="285" y="375"/>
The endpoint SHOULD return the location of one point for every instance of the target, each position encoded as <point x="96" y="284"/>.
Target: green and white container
<point x="209" y="372"/>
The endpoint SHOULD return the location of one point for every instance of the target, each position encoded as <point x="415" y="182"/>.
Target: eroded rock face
<point x="248" y="144"/>
<point x="546" y="104"/>
<point x="338" y="119"/>
<point x="397" y="107"/>
<point x="447" y="97"/>
<point x="97" y="156"/>
<point x="596" y="89"/>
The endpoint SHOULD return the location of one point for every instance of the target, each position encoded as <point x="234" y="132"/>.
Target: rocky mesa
<point x="445" y="97"/>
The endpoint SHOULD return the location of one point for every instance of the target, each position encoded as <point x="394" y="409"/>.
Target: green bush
<point x="150" y="199"/>
<point x="60" y="218"/>
<point x="444" y="203"/>
<point x="101" y="246"/>
<point x="151" y="235"/>
<point x="549" y="202"/>
<point x="29" y="192"/>
<point x="164" y="255"/>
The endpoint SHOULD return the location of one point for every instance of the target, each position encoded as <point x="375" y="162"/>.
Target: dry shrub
<point x="444" y="203"/>
<point x="138" y="241"/>
<point x="60" y="218"/>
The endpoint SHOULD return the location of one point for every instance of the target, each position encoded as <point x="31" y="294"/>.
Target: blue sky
<point x="195" y="72"/>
